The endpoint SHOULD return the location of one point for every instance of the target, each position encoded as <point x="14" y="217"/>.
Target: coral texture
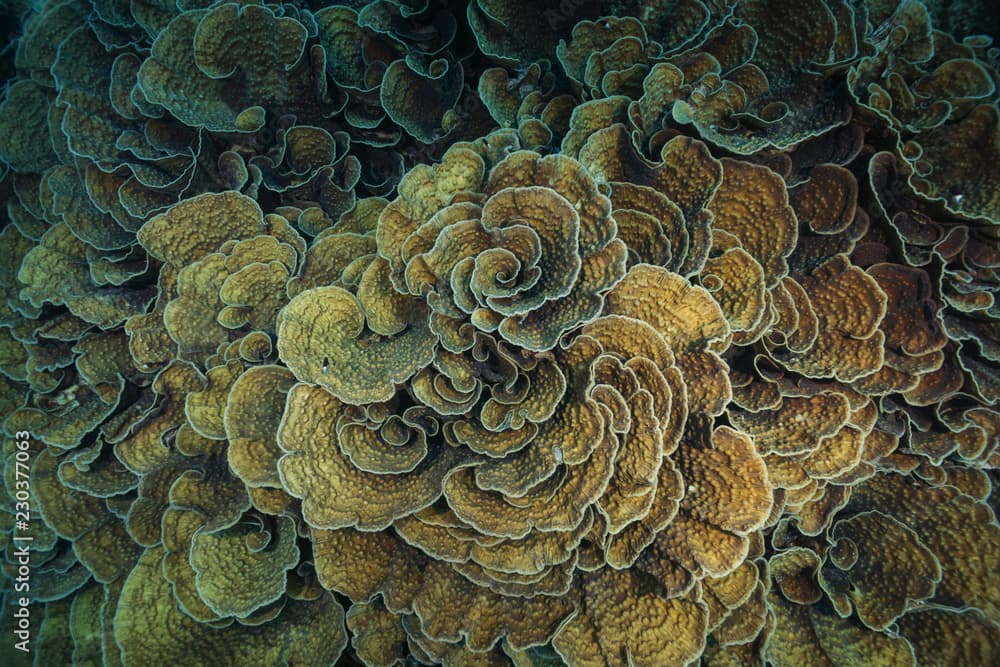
<point x="573" y="332"/>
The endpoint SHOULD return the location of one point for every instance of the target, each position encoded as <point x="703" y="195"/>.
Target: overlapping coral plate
<point x="519" y="333"/>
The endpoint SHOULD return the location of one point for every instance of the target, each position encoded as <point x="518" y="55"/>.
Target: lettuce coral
<point x="591" y="333"/>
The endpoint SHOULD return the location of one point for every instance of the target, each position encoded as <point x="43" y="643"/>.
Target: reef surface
<point x="643" y="332"/>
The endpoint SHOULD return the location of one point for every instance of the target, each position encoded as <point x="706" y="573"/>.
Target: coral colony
<point x="508" y="332"/>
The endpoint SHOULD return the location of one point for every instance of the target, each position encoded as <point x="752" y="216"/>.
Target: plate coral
<point x="487" y="333"/>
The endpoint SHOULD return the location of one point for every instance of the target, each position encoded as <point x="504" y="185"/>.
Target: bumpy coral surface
<point x="500" y="333"/>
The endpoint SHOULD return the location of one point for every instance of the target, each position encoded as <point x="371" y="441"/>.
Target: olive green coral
<point x="641" y="332"/>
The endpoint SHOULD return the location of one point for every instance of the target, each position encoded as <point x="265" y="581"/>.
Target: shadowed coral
<point x="908" y="571"/>
<point x="591" y="38"/>
<point x="13" y="247"/>
<point x="310" y="631"/>
<point x="241" y="286"/>
<point x="142" y="447"/>
<point x="100" y="541"/>
<point x="43" y="32"/>
<point x="190" y="319"/>
<point x="534" y="622"/>
<point x="56" y="271"/>
<point x="198" y="504"/>
<point x="827" y="202"/>
<point x="688" y="319"/>
<point x="958" y="151"/>
<point x="671" y="341"/>
<point x="943" y="635"/>
<point x="26" y="145"/>
<point x="149" y="341"/>
<point x="332" y="259"/>
<point x="376" y="634"/>
<point x="193" y="57"/>
<point x="808" y="635"/>
<point x="705" y="539"/>
<point x="343" y="39"/>
<point x="948" y="528"/>
<point x="377" y="562"/>
<point x="736" y="281"/>
<point x="794" y="573"/>
<point x="763" y="102"/>
<point x="686" y="174"/>
<point x="513" y="32"/>
<point x="68" y="417"/>
<point x="413" y="90"/>
<point x="85" y="623"/>
<point x="914" y="336"/>
<point x="102" y="359"/>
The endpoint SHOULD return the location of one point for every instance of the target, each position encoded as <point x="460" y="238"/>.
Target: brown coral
<point x="693" y="360"/>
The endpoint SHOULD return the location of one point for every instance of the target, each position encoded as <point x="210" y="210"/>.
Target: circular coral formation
<point x="501" y="333"/>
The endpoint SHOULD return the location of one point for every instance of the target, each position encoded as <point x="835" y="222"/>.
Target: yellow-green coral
<point x="646" y="332"/>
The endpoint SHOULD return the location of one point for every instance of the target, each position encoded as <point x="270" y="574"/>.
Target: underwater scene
<point x="532" y="333"/>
